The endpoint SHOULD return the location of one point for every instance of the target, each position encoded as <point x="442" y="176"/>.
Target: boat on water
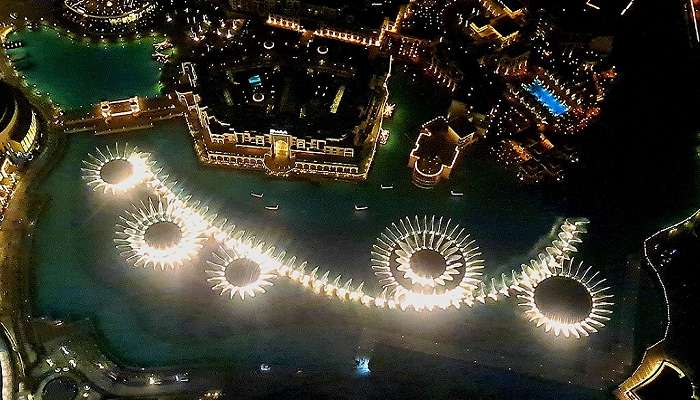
<point x="452" y="192"/>
<point x="360" y="208"/>
<point x="258" y="195"/>
<point x="387" y="187"/>
<point x="273" y="208"/>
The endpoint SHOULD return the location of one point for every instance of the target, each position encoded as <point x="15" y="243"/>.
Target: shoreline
<point x="30" y="192"/>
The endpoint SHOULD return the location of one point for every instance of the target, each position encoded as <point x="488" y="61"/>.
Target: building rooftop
<point x="513" y="5"/>
<point x="480" y="20"/>
<point x="436" y="146"/>
<point x="308" y="86"/>
<point x="111" y="8"/>
<point x="505" y="26"/>
<point x="15" y="114"/>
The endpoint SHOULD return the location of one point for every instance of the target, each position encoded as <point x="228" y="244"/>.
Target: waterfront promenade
<point x="70" y="350"/>
<point x="151" y="111"/>
<point x="672" y="254"/>
<point x="15" y="236"/>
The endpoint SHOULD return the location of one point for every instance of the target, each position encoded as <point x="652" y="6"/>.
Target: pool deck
<point x="547" y="99"/>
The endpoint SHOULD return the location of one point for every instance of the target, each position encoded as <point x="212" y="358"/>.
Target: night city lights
<point x="349" y="199"/>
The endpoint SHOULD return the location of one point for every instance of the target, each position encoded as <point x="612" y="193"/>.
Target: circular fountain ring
<point x="566" y="299"/>
<point x="240" y="270"/>
<point x="426" y="263"/>
<point x="116" y="170"/>
<point x="161" y="234"/>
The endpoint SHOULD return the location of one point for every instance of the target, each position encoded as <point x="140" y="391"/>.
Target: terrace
<point x="555" y="106"/>
<point x="437" y="150"/>
<point x="311" y="87"/>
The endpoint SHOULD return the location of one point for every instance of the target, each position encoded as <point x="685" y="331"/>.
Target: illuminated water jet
<point x="424" y="263"/>
<point x="238" y="269"/>
<point x="566" y="298"/>
<point x="160" y="234"/>
<point x="116" y="171"/>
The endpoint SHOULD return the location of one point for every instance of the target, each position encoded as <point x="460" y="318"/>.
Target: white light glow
<point x="116" y="171"/>
<point x="394" y="261"/>
<point x="255" y="268"/>
<point x="539" y="271"/>
<point x="187" y="231"/>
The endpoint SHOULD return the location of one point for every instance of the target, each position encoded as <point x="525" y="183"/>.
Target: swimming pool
<point x="547" y="98"/>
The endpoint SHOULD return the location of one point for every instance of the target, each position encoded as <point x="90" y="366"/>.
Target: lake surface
<point x="79" y="73"/>
<point x="154" y="318"/>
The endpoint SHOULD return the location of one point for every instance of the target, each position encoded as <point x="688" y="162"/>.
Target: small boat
<point x="360" y="208"/>
<point x="387" y="187"/>
<point x="273" y="208"/>
<point x="258" y="195"/>
<point x="452" y="192"/>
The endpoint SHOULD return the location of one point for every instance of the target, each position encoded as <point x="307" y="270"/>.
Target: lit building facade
<point x="107" y="17"/>
<point x="19" y="125"/>
<point x="437" y="150"/>
<point x="342" y="151"/>
<point x="8" y="181"/>
<point x="498" y="21"/>
<point x="277" y="153"/>
<point x="19" y="134"/>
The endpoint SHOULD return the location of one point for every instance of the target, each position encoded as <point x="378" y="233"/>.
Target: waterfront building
<point x="19" y="125"/>
<point x="8" y="181"/>
<point x="106" y="17"/>
<point x="292" y="104"/>
<point x="120" y="108"/>
<point x="19" y="134"/>
<point x="438" y="149"/>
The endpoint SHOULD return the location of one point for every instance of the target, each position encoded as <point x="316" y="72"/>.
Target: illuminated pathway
<point x="669" y="356"/>
<point x="423" y="263"/>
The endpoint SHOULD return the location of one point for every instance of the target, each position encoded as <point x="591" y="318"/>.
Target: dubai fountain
<point x="424" y="263"/>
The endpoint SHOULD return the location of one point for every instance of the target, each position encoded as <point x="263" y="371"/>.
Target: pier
<point x="120" y="116"/>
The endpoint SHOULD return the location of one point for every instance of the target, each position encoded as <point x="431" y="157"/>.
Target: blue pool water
<point x="548" y="99"/>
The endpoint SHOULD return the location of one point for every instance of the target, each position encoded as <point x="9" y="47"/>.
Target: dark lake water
<point x="154" y="318"/>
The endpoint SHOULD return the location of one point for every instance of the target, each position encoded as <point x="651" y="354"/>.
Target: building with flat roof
<point x="290" y="104"/>
<point x="120" y="108"/>
<point x="438" y="149"/>
<point x="19" y="124"/>
<point x="107" y="17"/>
